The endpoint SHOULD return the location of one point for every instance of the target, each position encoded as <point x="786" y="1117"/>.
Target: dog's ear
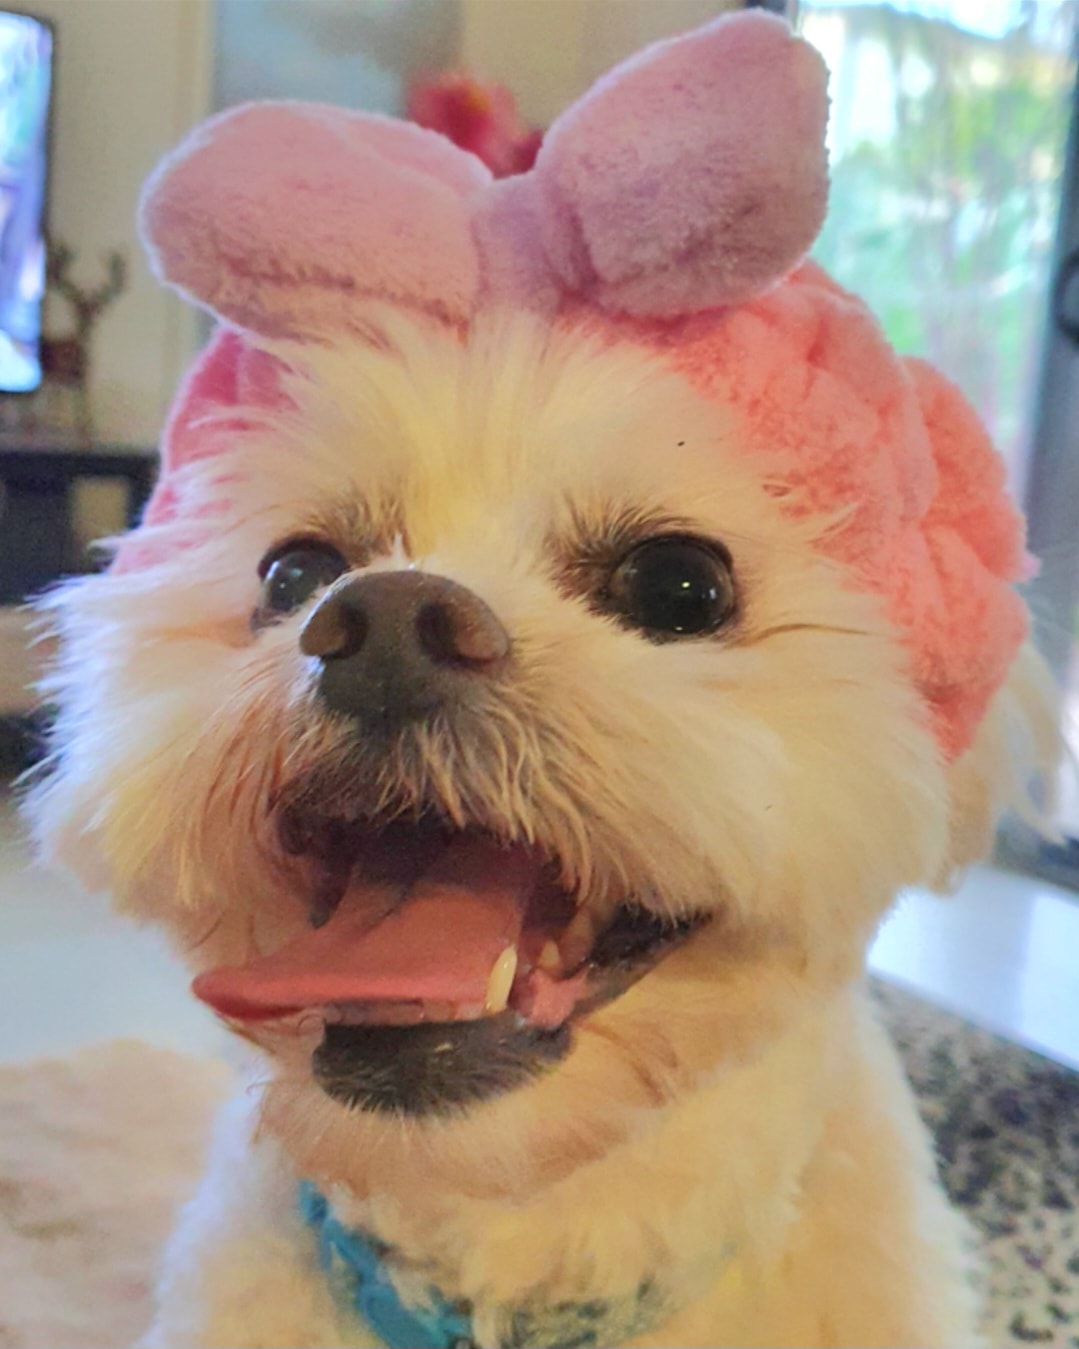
<point x="1017" y="750"/>
<point x="283" y="218"/>
<point x="692" y="176"/>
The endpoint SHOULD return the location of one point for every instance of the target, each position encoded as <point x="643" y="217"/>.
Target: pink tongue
<point x="440" y="944"/>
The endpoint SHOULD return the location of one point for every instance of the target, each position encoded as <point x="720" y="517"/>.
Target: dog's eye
<point x="293" y="572"/>
<point x="673" y="586"/>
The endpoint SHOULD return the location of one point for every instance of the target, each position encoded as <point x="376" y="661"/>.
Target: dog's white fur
<point x="736" y="1124"/>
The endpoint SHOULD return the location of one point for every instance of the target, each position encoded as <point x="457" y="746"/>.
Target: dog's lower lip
<point x="421" y="1068"/>
<point x="434" y="1070"/>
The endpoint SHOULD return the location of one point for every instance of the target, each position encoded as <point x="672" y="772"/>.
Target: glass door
<point x="955" y="213"/>
<point x="1052" y="501"/>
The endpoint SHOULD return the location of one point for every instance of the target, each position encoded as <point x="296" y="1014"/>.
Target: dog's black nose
<point x="395" y="646"/>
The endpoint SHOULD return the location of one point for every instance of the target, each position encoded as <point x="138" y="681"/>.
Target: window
<point x="951" y="168"/>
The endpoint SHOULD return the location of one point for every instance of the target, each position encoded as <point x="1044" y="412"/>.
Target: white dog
<point x="522" y="713"/>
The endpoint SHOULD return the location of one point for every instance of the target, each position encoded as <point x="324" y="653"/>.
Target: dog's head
<point x="527" y="696"/>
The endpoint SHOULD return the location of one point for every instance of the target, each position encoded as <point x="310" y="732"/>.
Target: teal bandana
<point x="356" y="1265"/>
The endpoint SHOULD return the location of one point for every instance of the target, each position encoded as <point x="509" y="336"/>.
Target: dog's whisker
<point x="784" y="629"/>
<point x="211" y="931"/>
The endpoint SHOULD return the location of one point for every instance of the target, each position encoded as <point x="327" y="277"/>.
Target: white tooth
<point x="577" y="940"/>
<point x="550" y="958"/>
<point x="501" y="981"/>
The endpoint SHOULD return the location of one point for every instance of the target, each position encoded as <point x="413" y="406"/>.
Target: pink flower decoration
<point x="480" y="118"/>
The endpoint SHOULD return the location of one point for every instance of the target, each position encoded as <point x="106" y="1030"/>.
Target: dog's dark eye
<point x="673" y="587"/>
<point x="293" y="572"/>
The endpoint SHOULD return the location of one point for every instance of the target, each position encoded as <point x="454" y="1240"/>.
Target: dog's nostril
<point x="334" y="629"/>
<point x="461" y="628"/>
<point x="396" y="646"/>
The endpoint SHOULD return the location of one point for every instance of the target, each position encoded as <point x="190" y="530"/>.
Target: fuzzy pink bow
<point x="673" y="204"/>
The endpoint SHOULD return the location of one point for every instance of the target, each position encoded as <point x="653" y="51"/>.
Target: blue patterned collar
<point x="355" y="1263"/>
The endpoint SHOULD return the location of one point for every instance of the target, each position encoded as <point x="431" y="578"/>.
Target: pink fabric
<point x="230" y="377"/>
<point x="839" y="421"/>
<point x="693" y="176"/>
<point x="667" y="208"/>
<point x="284" y="217"/>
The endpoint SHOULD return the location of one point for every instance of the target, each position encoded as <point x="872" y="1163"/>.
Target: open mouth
<point x="446" y="965"/>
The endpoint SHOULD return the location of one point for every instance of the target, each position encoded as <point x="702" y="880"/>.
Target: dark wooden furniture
<point x="39" y="545"/>
<point x="37" y="540"/>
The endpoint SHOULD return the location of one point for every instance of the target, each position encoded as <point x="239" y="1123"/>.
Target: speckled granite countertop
<point x="1006" y="1123"/>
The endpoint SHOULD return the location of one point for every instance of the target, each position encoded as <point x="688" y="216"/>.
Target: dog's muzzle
<point x="446" y="961"/>
<point x="396" y="647"/>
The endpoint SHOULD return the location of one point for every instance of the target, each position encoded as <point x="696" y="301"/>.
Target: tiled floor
<point x="1004" y="953"/>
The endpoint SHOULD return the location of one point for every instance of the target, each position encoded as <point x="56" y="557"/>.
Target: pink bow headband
<point x="669" y="205"/>
<point x="692" y="177"/>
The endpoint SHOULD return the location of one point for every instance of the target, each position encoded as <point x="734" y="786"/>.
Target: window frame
<point x="1051" y="503"/>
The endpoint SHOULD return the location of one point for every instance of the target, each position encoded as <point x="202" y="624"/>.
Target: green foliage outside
<point x="946" y="225"/>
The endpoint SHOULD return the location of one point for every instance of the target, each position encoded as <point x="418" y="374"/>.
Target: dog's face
<point x="493" y="743"/>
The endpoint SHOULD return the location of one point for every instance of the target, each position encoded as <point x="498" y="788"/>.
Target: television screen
<point x="25" y="75"/>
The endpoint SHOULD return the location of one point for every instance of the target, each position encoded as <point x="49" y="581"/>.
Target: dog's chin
<point x="442" y="966"/>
